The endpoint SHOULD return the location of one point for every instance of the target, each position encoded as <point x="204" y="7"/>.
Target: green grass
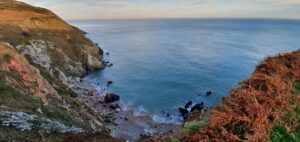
<point x="24" y="42"/>
<point x="176" y="140"/>
<point x="58" y="85"/>
<point x="280" y="133"/>
<point x="297" y="88"/>
<point x="13" y="99"/>
<point x="194" y="126"/>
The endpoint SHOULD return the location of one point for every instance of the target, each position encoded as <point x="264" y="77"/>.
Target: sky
<point x="144" y="9"/>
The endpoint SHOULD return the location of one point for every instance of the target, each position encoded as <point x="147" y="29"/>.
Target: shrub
<point x="280" y="134"/>
<point x="25" y="42"/>
<point x="194" y="126"/>
<point x="261" y="103"/>
<point x="297" y="88"/>
<point x="7" y="58"/>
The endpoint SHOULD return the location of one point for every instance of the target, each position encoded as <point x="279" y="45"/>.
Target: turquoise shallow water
<point x="161" y="64"/>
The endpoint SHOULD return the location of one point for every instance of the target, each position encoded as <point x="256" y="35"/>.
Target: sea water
<point x="159" y="65"/>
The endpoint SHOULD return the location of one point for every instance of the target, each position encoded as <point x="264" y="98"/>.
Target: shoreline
<point x="120" y="120"/>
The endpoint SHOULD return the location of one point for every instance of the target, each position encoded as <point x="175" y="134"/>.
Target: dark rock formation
<point x="109" y="83"/>
<point x="208" y="93"/>
<point x="111" y="97"/>
<point x="188" y="104"/>
<point x="197" y="107"/>
<point x="184" y="112"/>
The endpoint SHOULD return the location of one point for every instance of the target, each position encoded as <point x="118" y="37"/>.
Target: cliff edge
<point x="39" y="55"/>
<point x="47" y="41"/>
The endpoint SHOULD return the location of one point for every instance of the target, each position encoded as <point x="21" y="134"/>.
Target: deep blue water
<point x="161" y="64"/>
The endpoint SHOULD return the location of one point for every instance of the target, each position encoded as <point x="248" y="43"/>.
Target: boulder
<point x="188" y="104"/>
<point x="208" y="93"/>
<point x="183" y="111"/>
<point x="109" y="83"/>
<point x="197" y="107"/>
<point x="111" y="97"/>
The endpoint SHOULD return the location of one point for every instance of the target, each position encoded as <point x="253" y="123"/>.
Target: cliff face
<point x="47" y="40"/>
<point x="26" y="76"/>
<point x="38" y="54"/>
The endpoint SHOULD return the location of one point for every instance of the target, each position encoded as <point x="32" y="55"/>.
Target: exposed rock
<point x="184" y="112"/>
<point x="109" y="83"/>
<point x="110" y="65"/>
<point x="197" y="107"/>
<point x="62" y="76"/>
<point x="26" y="122"/>
<point x="188" y="104"/>
<point x="7" y="44"/>
<point x="114" y="106"/>
<point x="37" y="51"/>
<point x="93" y="62"/>
<point x="39" y="110"/>
<point x="208" y="93"/>
<point x="59" y="44"/>
<point x="111" y="97"/>
<point x="55" y="52"/>
<point x="29" y="77"/>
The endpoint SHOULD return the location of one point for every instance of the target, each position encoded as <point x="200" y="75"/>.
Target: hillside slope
<point x="47" y="40"/>
<point x="39" y="55"/>
<point x="265" y="107"/>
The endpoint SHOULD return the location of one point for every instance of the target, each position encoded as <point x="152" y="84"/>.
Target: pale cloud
<point x="115" y="9"/>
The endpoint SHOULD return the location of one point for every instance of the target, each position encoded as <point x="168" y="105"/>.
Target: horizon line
<point x="204" y="18"/>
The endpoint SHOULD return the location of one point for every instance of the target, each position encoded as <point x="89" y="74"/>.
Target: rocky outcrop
<point x="47" y="40"/>
<point x="111" y="97"/>
<point x="34" y="101"/>
<point x="25" y="75"/>
<point x="26" y="122"/>
<point x="40" y="55"/>
<point x="45" y="54"/>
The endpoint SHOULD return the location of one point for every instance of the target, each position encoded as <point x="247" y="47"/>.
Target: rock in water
<point x="111" y="97"/>
<point x="109" y="83"/>
<point x="208" y="93"/>
<point x="188" y="104"/>
<point x="197" y="107"/>
<point x="184" y="112"/>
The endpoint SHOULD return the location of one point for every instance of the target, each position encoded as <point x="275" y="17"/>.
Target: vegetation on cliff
<point x="265" y="107"/>
<point x="33" y="29"/>
<point x="32" y="108"/>
<point x="38" y="54"/>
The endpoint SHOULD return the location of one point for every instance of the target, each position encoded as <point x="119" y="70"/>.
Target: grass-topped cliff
<point x="38" y="54"/>
<point x="35" y="109"/>
<point x="37" y="31"/>
<point x="265" y="107"/>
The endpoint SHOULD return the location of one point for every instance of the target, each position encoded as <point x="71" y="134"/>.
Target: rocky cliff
<point x="39" y="56"/>
<point x="47" y="40"/>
